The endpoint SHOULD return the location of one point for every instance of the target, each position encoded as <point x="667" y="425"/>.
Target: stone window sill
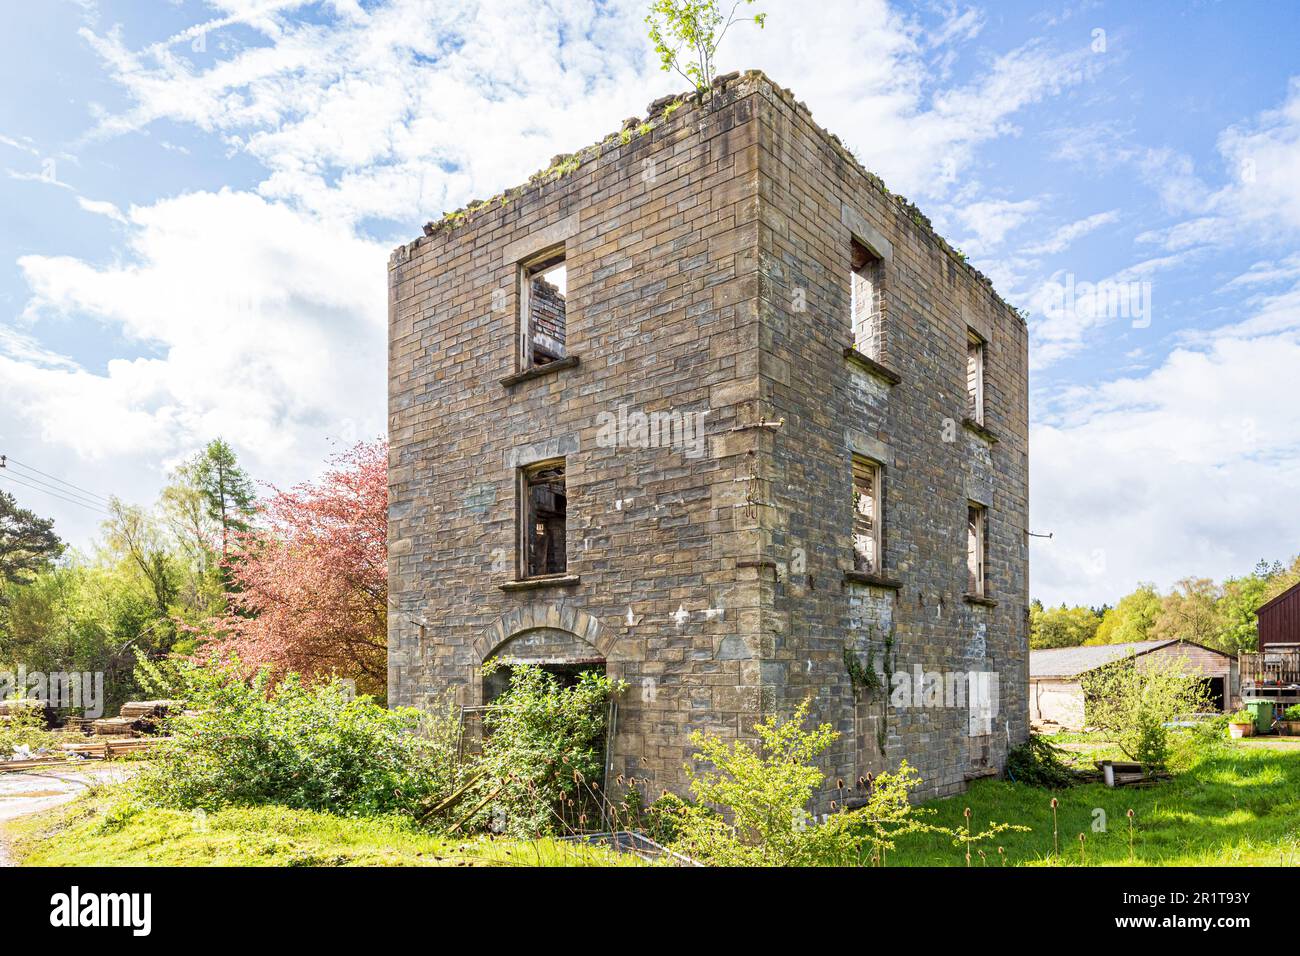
<point x="980" y="430"/>
<point x="550" y="581"/>
<point x="872" y="580"/>
<point x="871" y="365"/>
<point x="537" y="371"/>
<point x="981" y="599"/>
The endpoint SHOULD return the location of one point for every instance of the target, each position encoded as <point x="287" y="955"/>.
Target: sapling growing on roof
<point x="686" y="36"/>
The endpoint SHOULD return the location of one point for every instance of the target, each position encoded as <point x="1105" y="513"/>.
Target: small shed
<point x="1056" y="674"/>
<point x="1279" y="619"/>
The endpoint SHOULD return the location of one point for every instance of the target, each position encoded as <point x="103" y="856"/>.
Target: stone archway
<point x="557" y="637"/>
<point x="539" y="616"/>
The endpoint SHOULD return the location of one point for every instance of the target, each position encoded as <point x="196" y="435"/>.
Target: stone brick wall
<point x="815" y="202"/>
<point x="708" y="265"/>
<point x="660" y="239"/>
<point x="548" y="312"/>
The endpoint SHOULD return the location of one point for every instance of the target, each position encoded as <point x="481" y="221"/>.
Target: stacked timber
<point x="152" y="708"/>
<point x="121" y="726"/>
<point x="137" y="717"/>
<point x="78" y="725"/>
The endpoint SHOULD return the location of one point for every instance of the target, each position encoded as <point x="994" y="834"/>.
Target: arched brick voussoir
<point x="558" y="615"/>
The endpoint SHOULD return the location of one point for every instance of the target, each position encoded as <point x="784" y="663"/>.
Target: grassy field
<point x="99" y="830"/>
<point x="1240" y="807"/>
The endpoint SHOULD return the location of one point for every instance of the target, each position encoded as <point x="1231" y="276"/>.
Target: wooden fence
<point x="1278" y="666"/>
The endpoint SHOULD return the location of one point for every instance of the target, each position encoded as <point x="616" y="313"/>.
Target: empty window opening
<point x="866" y="516"/>
<point x="976" y="545"/>
<point x="544" y="514"/>
<point x="866" y="300"/>
<point x="543" y="288"/>
<point x="975" y="349"/>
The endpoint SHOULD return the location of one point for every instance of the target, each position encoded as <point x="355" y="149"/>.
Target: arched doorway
<point x="558" y="652"/>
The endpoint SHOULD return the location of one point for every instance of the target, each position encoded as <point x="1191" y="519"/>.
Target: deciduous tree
<point x="1131" y="619"/>
<point x="687" y="34"/>
<point x="309" y="587"/>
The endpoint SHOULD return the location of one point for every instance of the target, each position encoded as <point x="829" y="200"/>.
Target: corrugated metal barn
<point x="1055" y="674"/>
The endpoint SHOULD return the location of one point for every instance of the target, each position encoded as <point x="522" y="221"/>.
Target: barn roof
<point x="1072" y="661"/>
<point x="1268" y="605"/>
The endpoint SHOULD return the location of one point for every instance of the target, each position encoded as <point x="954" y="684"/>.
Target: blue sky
<point x="197" y="201"/>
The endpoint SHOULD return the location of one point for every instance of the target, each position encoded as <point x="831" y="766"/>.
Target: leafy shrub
<point x="543" y="755"/>
<point x="164" y="678"/>
<point x="1292" y="712"/>
<point x="662" y="820"/>
<point x="1241" y="717"/>
<point x="762" y="794"/>
<point x="1039" y="763"/>
<point x="1132" y="700"/>
<point x="1191" y="745"/>
<point x="311" y="748"/>
<point x="25" y="731"/>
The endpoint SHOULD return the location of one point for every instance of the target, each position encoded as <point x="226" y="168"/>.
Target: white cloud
<point x="1189" y="469"/>
<point x="101" y="207"/>
<point x="1067" y="309"/>
<point x="1258" y="203"/>
<point x="1067" y="235"/>
<point x="445" y="101"/>
<point x="256" y="314"/>
<point x="990" y="220"/>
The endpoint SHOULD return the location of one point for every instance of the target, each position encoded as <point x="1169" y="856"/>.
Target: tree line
<point x="1218" y="615"/>
<point x="294" y="579"/>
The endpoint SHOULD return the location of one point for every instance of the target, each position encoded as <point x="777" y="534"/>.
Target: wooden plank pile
<point x="1125" y="773"/>
<point x="151" y="708"/>
<point x="136" y="717"/>
<point x="81" y="725"/>
<point x="106" y="750"/>
<point x="120" y="726"/>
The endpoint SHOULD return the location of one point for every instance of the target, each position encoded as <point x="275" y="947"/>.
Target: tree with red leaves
<point x="309" y="585"/>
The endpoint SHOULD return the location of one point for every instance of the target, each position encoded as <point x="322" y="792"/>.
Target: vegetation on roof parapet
<point x="663" y="108"/>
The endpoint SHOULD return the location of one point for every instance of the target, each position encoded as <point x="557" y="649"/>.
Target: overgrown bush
<point x="762" y="793"/>
<point x="1039" y="763"/>
<point x="543" y="756"/>
<point x="1133" y="699"/>
<point x="25" y="732"/>
<point x="1190" y="745"/>
<point x="664" y="817"/>
<point x="312" y="748"/>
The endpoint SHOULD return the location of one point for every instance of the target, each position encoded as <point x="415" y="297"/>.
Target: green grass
<point x="104" y="829"/>
<point x="1235" y="807"/>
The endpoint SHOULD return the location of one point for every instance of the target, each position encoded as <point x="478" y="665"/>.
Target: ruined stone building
<point x="706" y="406"/>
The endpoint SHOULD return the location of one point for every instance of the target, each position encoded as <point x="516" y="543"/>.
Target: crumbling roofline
<point x="659" y="111"/>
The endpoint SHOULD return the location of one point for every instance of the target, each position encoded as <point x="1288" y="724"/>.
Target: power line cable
<point x="14" y="461"/>
<point x="43" y="485"/>
<point x="55" y="494"/>
<point x="37" y="483"/>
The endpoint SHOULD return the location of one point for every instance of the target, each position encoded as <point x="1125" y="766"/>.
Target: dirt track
<point x="35" y="790"/>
